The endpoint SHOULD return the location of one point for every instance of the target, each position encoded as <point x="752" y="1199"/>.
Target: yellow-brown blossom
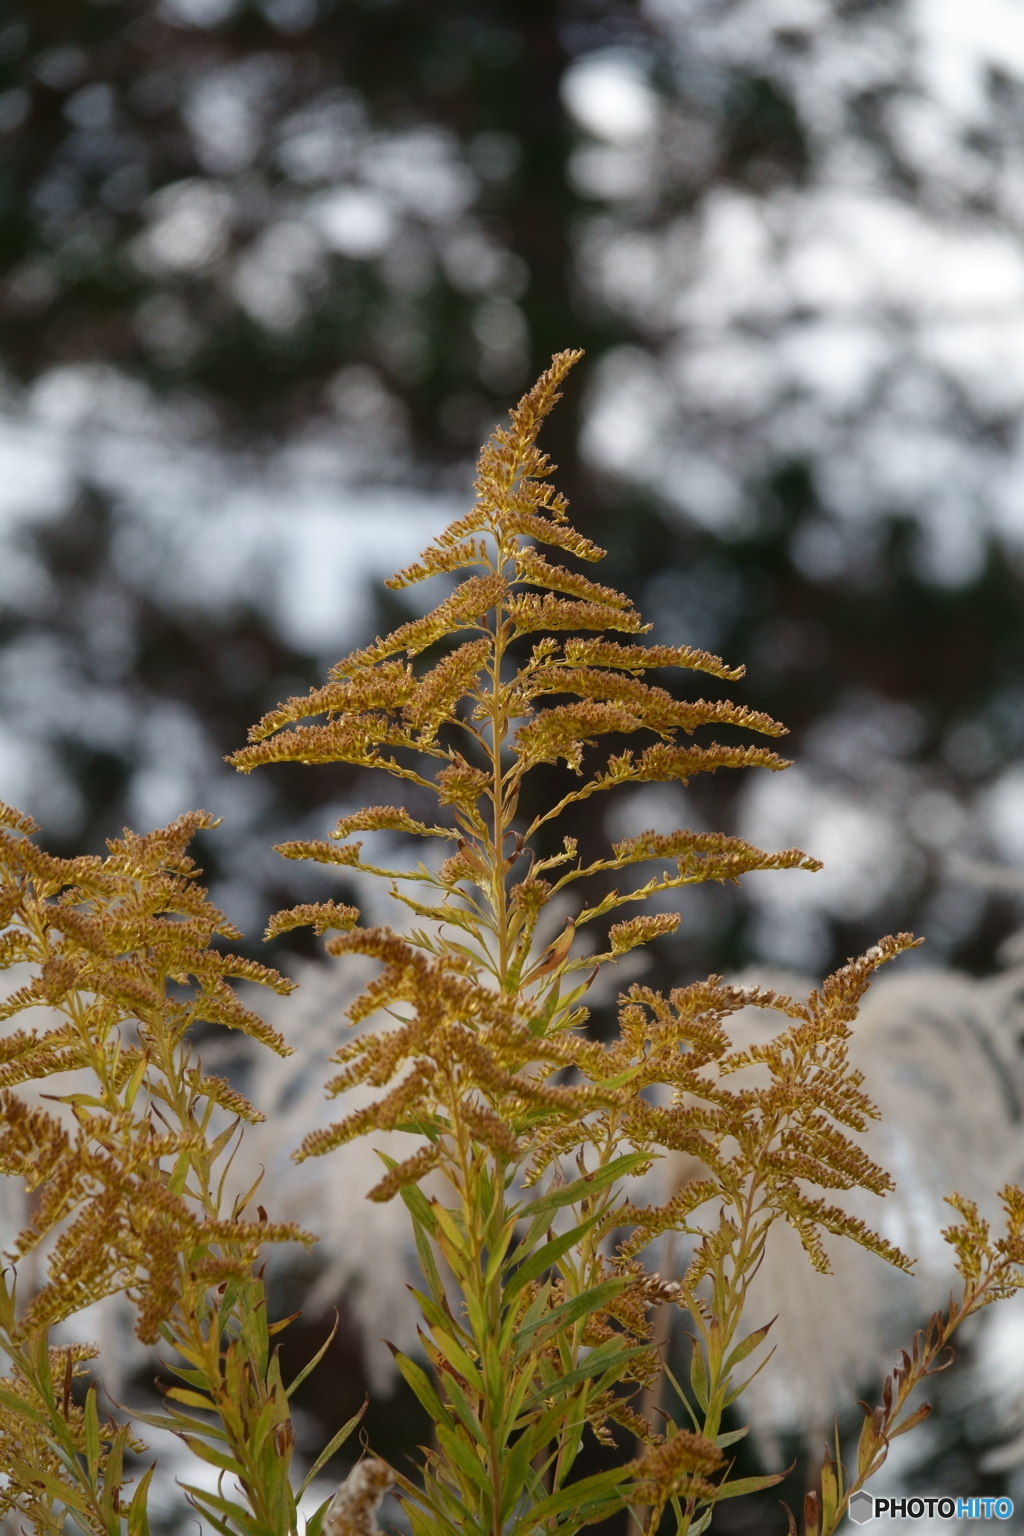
<point x="484" y="1058"/>
<point x="114" y="942"/>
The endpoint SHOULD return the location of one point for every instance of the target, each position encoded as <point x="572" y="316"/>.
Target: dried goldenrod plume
<point x="786" y="1134"/>
<point x="485" y="1060"/>
<point x="991" y="1269"/>
<point x="681" y="1464"/>
<point x="465" y="713"/>
<point x="38" y="1484"/>
<point x="112" y="941"/>
<point x="938" y="1052"/>
<point x="124" y="964"/>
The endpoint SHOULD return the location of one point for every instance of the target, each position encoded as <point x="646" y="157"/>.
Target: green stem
<point x="499" y="727"/>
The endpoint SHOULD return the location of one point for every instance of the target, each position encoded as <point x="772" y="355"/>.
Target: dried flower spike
<point x="485" y="1060"/>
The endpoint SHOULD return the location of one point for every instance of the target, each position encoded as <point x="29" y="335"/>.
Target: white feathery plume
<point x="353" y="1510"/>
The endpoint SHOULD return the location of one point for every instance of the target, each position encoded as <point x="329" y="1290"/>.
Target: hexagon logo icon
<point x="862" y="1508"/>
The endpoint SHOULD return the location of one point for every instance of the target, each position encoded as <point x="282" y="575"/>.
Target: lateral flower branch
<point x="991" y="1269"/>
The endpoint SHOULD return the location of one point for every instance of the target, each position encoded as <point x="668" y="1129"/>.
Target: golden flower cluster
<point x="484" y="1057"/>
<point x="121" y="953"/>
<point x="127" y="1187"/>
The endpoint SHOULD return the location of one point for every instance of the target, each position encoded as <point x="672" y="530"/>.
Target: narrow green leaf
<point x="428" y="1518"/>
<point x="190" y="1399"/>
<point x="589" y="1514"/>
<point x="336" y="1441"/>
<point x="253" y="1337"/>
<point x="569" y="1312"/>
<point x="682" y="1397"/>
<point x="44" y="1375"/>
<point x="207" y="1453"/>
<point x="433" y="1313"/>
<point x="134" y="1083"/>
<point x="138" y="1511"/>
<point x="315" y="1523"/>
<point x="217" y="1501"/>
<point x="598" y="1486"/>
<point x="179" y="1173"/>
<point x="595" y="1363"/>
<point x="494" y="1375"/>
<point x="450" y="1235"/>
<point x="273" y="1329"/>
<point x="537" y="1263"/>
<point x="461" y="1456"/>
<point x="416" y="1201"/>
<point x="113" y="1470"/>
<point x="175" y="1422"/>
<point x="74" y="1500"/>
<point x="420" y="1383"/>
<point x="446" y="1504"/>
<point x="476" y="1316"/>
<point x="698" y="1375"/>
<point x="215" y="1521"/>
<point x="557" y="1420"/>
<point x="457" y="1357"/>
<point x="512" y="1404"/>
<point x="220" y="1142"/>
<point x="746" y="1347"/>
<point x="731" y="1438"/>
<point x="517" y="1472"/>
<point x="209" y="1505"/>
<point x="259" y="1431"/>
<point x="92" y="1434"/>
<point x="8" y="1304"/>
<point x="463" y="1408"/>
<point x="534" y="1311"/>
<point x="583" y="1188"/>
<point x="744" y="1485"/>
<point x="194" y="1378"/>
<point x="738" y="1391"/>
<point x="16" y="1404"/>
<point x="427" y="1262"/>
<point x="497" y="1250"/>
<point x="311" y="1365"/>
<point x="241" y="1201"/>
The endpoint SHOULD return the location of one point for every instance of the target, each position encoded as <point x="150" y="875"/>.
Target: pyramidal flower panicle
<point x="485" y="1061"/>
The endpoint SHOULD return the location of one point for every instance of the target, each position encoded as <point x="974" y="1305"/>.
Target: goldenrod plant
<point x="939" y="1050"/>
<point x="487" y="1063"/>
<point x="525" y="1129"/>
<point x="131" y="1196"/>
<point x="991" y="1269"/>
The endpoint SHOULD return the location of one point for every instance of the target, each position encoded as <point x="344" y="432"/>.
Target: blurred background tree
<point x="268" y="273"/>
<point x="271" y="270"/>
